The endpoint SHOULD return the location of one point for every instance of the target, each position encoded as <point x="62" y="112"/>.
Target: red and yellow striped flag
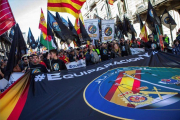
<point x="70" y="6"/>
<point x="144" y="35"/>
<point x="14" y="98"/>
<point x="42" y="23"/>
<point x="77" y="25"/>
<point x="111" y="2"/>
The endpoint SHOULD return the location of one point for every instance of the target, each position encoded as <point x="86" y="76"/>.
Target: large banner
<point x="107" y="30"/>
<point x="140" y="87"/>
<point x="78" y="64"/>
<point x="92" y="28"/>
<point x="135" y="51"/>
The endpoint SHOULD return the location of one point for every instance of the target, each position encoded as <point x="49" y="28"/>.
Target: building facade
<point x="130" y="8"/>
<point x="5" y="45"/>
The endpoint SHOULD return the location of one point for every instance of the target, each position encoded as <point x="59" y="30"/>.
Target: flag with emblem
<point x="77" y="23"/>
<point x="68" y="6"/>
<point x="152" y="17"/>
<point x="52" y="21"/>
<point x="167" y="20"/>
<point x="6" y="18"/>
<point x="145" y="85"/>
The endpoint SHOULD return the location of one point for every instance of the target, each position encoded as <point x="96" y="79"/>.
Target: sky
<point x="27" y="14"/>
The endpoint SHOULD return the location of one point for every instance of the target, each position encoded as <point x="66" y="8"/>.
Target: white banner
<point x="92" y="28"/>
<point x="78" y="64"/>
<point x="135" y="51"/>
<point x="107" y="30"/>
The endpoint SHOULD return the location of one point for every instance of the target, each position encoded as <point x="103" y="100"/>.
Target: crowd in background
<point x="56" y="60"/>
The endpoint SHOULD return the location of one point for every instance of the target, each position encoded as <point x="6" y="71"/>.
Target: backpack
<point x="95" y="57"/>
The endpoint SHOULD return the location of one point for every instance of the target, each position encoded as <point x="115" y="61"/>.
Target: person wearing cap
<point x="56" y="63"/>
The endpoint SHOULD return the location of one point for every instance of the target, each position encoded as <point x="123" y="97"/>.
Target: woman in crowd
<point x="116" y="52"/>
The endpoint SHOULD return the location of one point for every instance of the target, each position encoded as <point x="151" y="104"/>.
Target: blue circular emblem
<point x="167" y="20"/>
<point x="92" y="29"/>
<point x="56" y="26"/>
<point x="12" y="32"/>
<point x="105" y="52"/>
<point x="126" y="93"/>
<point x="56" y="66"/>
<point x="153" y="46"/>
<point x="151" y="13"/>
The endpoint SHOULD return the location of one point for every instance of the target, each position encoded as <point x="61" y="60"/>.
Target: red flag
<point x="6" y="17"/>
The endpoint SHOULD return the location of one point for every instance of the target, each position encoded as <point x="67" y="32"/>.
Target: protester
<point x="72" y="56"/>
<point x="63" y="57"/>
<point x="104" y="52"/>
<point x="56" y="63"/>
<point x="35" y="66"/>
<point x="166" y="40"/>
<point x="125" y="48"/>
<point x="176" y="48"/>
<point x="135" y="44"/>
<point x="116" y="52"/>
<point x="46" y="60"/>
<point x="3" y="64"/>
<point x="151" y="44"/>
<point x="25" y="65"/>
<point x="178" y="35"/>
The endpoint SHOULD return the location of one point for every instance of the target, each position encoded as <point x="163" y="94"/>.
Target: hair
<point x="150" y="35"/>
<point x="25" y="57"/>
<point x="119" y="50"/>
<point x="34" y="55"/>
<point x="54" y="51"/>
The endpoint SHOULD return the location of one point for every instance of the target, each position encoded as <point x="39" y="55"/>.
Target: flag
<point x="77" y="25"/>
<point x="140" y="21"/>
<point x="111" y="2"/>
<point x="42" y="23"/>
<point x="6" y="18"/>
<point x="144" y="35"/>
<point x="84" y="33"/>
<point x="71" y="27"/>
<point x="65" y="30"/>
<point x="152" y="17"/>
<point x="11" y="34"/>
<point x="125" y="27"/>
<point x="69" y="6"/>
<point x="139" y="84"/>
<point x="31" y="41"/>
<point x="49" y="44"/>
<point x="167" y="19"/>
<point x="52" y="21"/>
<point x="18" y="49"/>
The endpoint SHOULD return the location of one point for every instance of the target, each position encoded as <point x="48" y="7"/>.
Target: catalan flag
<point x="77" y="25"/>
<point x="6" y="18"/>
<point x="111" y="2"/>
<point x="69" y="6"/>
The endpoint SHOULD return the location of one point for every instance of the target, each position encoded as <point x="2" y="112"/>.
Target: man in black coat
<point x="151" y="44"/>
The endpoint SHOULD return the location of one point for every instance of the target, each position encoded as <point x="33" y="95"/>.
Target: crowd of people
<point x="56" y="60"/>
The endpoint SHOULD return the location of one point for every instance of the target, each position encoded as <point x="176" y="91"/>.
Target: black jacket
<point x="58" y="65"/>
<point x="151" y="45"/>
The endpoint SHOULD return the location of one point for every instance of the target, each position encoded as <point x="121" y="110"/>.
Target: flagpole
<point x="171" y="33"/>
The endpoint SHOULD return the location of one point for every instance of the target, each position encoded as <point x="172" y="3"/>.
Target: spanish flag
<point x="111" y="2"/>
<point x="77" y="25"/>
<point x="42" y="23"/>
<point x="143" y="34"/>
<point x="69" y="6"/>
<point x="14" y="98"/>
